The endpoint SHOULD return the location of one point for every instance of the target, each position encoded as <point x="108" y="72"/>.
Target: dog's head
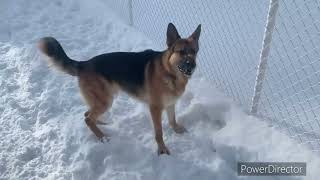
<point x="183" y="51"/>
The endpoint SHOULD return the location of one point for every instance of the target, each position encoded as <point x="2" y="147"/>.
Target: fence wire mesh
<point x="291" y="93"/>
<point x="231" y="43"/>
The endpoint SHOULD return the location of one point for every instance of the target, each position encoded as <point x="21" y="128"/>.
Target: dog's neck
<point x="172" y="74"/>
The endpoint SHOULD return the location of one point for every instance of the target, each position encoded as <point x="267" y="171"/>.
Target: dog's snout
<point x="187" y="66"/>
<point x="190" y="64"/>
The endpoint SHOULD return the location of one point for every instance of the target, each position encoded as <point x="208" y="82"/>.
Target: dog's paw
<point x="163" y="150"/>
<point x="104" y="138"/>
<point x="179" y="129"/>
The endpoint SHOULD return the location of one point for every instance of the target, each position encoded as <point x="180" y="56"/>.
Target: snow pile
<point x="42" y="129"/>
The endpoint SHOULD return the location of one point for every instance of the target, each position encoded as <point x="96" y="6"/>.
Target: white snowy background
<point x="42" y="129"/>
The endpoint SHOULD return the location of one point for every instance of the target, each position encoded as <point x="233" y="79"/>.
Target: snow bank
<point x="43" y="134"/>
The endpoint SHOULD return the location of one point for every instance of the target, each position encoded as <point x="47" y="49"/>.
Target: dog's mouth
<point x="186" y="71"/>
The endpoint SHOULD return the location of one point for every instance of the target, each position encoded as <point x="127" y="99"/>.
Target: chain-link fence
<point x="290" y="96"/>
<point x="265" y="55"/>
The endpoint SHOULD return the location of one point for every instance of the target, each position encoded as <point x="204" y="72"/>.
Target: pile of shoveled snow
<point x="42" y="130"/>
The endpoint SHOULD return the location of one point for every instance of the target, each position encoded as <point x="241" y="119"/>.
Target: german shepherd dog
<point x="157" y="78"/>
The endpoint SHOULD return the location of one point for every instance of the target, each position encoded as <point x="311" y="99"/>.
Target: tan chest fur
<point x="166" y="90"/>
<point x="174" y="89"/>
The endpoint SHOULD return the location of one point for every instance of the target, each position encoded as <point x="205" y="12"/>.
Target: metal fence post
<point x="273" y="8"/>
<point x="130" y="12"/>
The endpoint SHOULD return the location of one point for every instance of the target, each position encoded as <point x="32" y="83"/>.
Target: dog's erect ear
<point x="196" y="34"/>
<point x="172" y="34"/>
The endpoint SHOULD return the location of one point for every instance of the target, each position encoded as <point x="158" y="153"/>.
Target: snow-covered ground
<point x="42" y="130"/>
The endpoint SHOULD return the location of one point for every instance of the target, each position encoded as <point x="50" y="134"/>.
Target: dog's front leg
<point x="156" y="112"/>
<point x="172" y="120"/>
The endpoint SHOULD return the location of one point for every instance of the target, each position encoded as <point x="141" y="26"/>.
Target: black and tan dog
<point x="156" y="78"/>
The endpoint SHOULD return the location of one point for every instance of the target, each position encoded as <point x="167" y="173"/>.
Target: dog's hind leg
<point x="86" y="114"/>
<point x="98" y="94"/>
<point x="91" y="121"/>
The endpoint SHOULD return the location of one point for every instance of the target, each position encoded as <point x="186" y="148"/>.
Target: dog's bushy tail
<point x="57" y="57"/>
